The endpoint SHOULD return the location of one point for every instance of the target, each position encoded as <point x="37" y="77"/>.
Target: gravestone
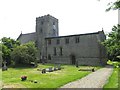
<point x="43" y="71"/>
<point x="50" y="69"/>
<point x="55" y="68"/>
<point x="4" y="66"/>
<point x="93" y="70"/>
<point x="76" y="64"/>
<point x="59" y="67"/>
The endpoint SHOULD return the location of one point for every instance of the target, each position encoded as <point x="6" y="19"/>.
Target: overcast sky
<point x="75" y="16"/>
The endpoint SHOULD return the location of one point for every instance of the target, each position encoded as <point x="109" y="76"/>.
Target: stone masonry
<point x="85" y="49"/>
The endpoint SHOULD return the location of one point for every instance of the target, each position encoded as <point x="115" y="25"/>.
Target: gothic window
<point x="49" y="41"/>
<point x="54" y="32"/>
<point x="54" y="51"/>
<point x="36" y="43"/>
<point x="67" y="40"/>
<point x="49" y="57"/>
<point x="77" y="40"/>
<point x="58" y="41"/>
<point x="42" y="22"/>
<point x="53" y="23"/>
<point x="61" y="51"/>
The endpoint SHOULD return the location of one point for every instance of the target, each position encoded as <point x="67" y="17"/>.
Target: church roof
<point x="26" y="35"/>
<point x="74" y="35"/>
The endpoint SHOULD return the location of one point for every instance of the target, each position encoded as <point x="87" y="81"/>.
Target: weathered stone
<point x="4" y="68"/>
<point x="86" y="49"/>
<point x="43" y="71"/>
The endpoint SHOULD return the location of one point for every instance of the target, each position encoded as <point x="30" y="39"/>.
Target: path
<point x="94" y="80"/>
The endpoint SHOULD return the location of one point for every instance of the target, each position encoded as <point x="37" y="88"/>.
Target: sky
<point x="75" y="16"/>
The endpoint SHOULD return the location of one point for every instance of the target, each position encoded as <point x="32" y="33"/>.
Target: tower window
<point x="67" y="40"/>
<point x="49" y="41"/>
<point x="54" y="51"/>
<point x="77" y="40"/>
<point x="58" y="41"/>
<point x="53" y="23"/>
<point x="61" y="50"/>
<point x="54" y="32"/>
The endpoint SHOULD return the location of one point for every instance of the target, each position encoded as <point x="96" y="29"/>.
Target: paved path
<point x="94" y="80"/>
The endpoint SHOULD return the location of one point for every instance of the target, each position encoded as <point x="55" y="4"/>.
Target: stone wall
<point x="87" y="51"/>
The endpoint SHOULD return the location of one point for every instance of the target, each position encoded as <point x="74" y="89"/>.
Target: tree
<point x="113" y="5"/>
<point x="113" y="43"/>
<point x="7" y="47"/>
<point x="24" y="54"/>
<point x="0" y="55"/>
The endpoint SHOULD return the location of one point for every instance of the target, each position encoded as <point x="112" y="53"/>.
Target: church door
<point x="73" y="59"/>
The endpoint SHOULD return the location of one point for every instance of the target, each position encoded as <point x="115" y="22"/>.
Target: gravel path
<point x="94" y="80"/>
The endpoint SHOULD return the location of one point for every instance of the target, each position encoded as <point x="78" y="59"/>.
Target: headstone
<point x="93" y="70"/>
<point x="4" y="66"/>
<point x="35" y="81"/>
<point x="55" y="68"/>
<point x="59" y="67"/>
<point x="50" y="69"/>
<point x="43" y="71"/>
<point x="76" y="64"/>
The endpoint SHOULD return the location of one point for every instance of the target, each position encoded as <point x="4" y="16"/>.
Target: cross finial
<point x="102" y="29"/>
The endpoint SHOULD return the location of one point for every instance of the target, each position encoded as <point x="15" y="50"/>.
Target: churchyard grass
<point x="114" y="79"/>
<point x="0" y="78"/>
<point x="48" y="80"/>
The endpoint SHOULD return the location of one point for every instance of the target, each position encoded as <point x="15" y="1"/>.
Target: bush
<point x="115" y="64"/>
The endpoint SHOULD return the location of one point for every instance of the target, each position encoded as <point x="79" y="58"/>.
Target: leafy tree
<point x="24" y="54"/>
<point x="113" y="43"/>
<point x="7" y="47"/>
<point x="113" y="5"/>
<point x="0" y="55"/>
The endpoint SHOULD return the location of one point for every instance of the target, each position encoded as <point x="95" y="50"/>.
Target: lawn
<point x="0" y="78"/>
<point x="113" y="79"/>
<point x="11" y="77"/>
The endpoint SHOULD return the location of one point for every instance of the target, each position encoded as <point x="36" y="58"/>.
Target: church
<point x="84" y="49"/>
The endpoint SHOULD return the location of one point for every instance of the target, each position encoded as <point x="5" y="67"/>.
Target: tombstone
<point x="35" y="81"/>
<point x="76" y="64"/>
<point x="55" y="68"/>
<point x="59" y="67"/>
<point x="43" y="71"/>
<point x="93" y="70"/>
<point x="4" y="66"/>
<point x="32" y="64"/>
<point x="47" y="69"/>
<point x="50" y="69"/>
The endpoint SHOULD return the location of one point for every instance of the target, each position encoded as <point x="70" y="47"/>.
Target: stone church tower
<point x="46" y="26"/>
